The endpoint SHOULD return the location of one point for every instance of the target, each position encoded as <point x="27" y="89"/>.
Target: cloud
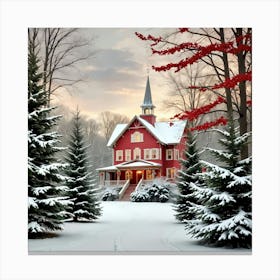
<point x="116" y="59"/>
<point x="115" y="77"/>
<point x="114" y="69"/>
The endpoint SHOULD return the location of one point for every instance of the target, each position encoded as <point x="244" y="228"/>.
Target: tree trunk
<point x="243" y="97"/>
<point x="227" y="76"/>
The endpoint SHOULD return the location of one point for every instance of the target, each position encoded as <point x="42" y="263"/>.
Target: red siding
<point x="124" y="142"/>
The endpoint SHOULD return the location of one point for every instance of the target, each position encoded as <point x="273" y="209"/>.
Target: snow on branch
<point x="32" y="203"/>
<point x="240" y="218"/>
<point x="220" y="153"/>
<point x="225" y="173"/>
<point x="223" y="197"/>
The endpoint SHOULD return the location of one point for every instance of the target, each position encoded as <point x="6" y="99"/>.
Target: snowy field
<point x="127" y="228"/>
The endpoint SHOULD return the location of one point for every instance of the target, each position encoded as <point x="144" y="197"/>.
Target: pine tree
<point x="225" y="214"/>
<point x="188" y="174"/>
<point x="82" y="190"/>
<point x="47" y="201"/>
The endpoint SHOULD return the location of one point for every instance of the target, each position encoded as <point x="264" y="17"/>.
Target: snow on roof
<point x="166" y="133"/>
<point x="137" y="163"/>
<point x="163" y="131"/>
<point x="107" y="168"/>
<point x="130" y="164"/>
<point x="119" y="129"/>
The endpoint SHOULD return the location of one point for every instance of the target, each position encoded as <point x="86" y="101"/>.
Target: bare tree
<point x="223" y="64"/>
<point x="61" y="50"/>
<point x="109" y="120"/>
<point x="183" y="98"/>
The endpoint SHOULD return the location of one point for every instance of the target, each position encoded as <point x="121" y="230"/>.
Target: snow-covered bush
<point x="110" y="194"/>
<point x="157" y="191"/>
<point x="140" y="196"/>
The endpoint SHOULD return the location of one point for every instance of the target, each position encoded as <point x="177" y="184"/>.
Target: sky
<point x="114" y="79"/>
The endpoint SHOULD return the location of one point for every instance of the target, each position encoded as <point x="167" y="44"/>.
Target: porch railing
<point x="124" y="188"/>
<point x="114" y="183"/>
<point x="139" y="184"/>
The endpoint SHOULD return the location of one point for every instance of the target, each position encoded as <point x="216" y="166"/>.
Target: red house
<point x="145" y="149"/>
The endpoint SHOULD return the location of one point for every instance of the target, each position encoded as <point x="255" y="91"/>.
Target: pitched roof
<point x="162" y="131"/>
<point x="137" y="163"/>
<point x="130" y="164"/>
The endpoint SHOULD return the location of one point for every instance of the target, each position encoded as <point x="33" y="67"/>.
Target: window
<point x="136" y="153"/>
<point x="146" y="153"/>
<point x="170" y="173"/>
<point x="119" y="155"/>
<point x="169" y="155"/>
<point x="137" y="137"/>
<point x="127" y="155"/>
<point x="176" y="154"/>
<point x="155" y="153"/>
<point x="151" y="153"/>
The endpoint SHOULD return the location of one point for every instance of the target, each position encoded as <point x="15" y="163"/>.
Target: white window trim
<point x="119" y="153"/>
<point x="133" y="136"/>
<point x="134" y="154"/>
<point x="176" y="152"/>
<point x="127" y="152"/>
<point x="147" y="151"/>
<point x="148" y="154"/>
<point x="167" y="173"/>
<point x="166" y="154"/>
<point x="157" y="153"/>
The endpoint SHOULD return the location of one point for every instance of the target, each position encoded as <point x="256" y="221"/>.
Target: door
<point x="139" y="175"/>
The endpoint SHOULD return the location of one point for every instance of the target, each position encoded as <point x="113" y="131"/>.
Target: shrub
<point x="156" y="192"/>
<point x="110" y="194"/>
<point x="140" y="196"/>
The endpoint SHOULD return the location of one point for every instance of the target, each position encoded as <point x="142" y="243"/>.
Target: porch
<point x="134" y="171"/>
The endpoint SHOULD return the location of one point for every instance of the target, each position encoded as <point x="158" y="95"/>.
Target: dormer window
<point x="137" y="137"/>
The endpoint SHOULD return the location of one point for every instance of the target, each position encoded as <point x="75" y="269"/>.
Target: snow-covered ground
<point x="127" y="227"/>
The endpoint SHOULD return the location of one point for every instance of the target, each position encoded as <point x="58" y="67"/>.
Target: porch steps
<point x="129" y="190"/>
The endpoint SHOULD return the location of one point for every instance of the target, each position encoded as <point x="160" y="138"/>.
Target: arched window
<point x="137" y="137"/>
<point x="128" y="175"/>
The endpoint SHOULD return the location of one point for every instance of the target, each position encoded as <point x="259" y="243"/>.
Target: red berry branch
<point x="228" y="83"/>
<point x="195" y="113"/>
<point x="207" y="125"/>
<point x="182" y="30"/>
<point x="202" y="52"/>
<point x="156" y="40"/>
<point x="180" y="47"/>
<point x="198" y="52"/>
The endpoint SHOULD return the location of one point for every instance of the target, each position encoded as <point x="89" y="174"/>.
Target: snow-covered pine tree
<point x="47" y="201"/>
<point x="225" y="210"/>
<point x="82" y="190"/>
<point x="188" y="174"/>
